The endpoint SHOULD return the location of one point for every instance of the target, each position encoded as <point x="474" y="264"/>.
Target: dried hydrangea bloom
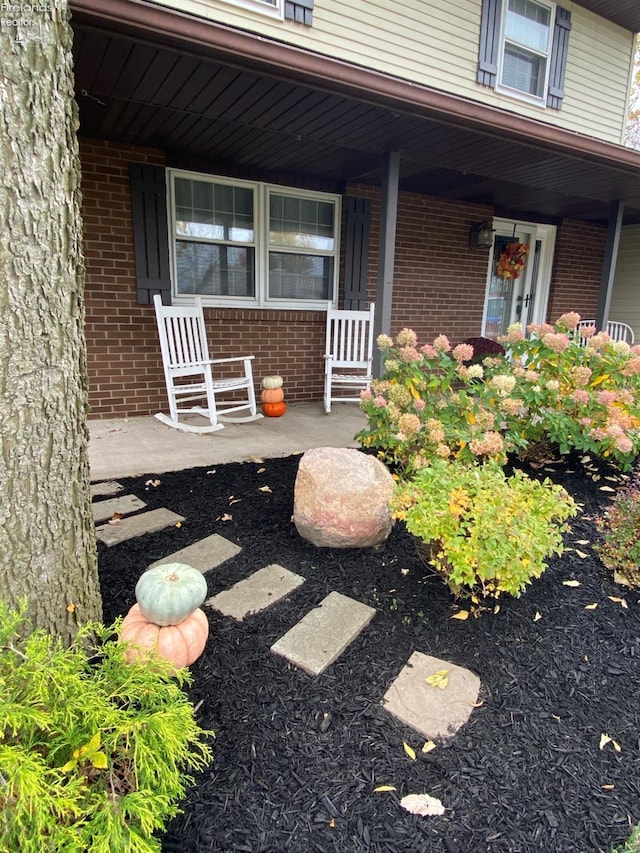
<point x="514" y="334"/>
<point x="435" y="430"/>
<point x="556" y="341"/>
<point x="380" y="402"/>
<point x="503" y="384"/>
<point x="419" y="405"/>
<point x="428" y="350"/>
<point x="553" y="385"/>
<point x="408" y="424"/>
<point x="475" y="371"/>
<point x="443" y="451"/>
<point x="384" y="341"/>
<point x="511" y="406"/>
<point x="631" y="368"/>
<point x="463" y="352"/>
<point x="489" y="444"/>
<point x="580" y="396"/>
<point x="441" y="344"/>
<point x="621" y="347"/>
<point x="366" y="395"/>
<point x="400" y="395"/>
<point x="406" y="338"/>
<point x="587" y="332"/>
<point x="408" y="354"/>
<point x="569" y="320"/>
<point x="580" y="374"/>
<point x="598" y="341"/>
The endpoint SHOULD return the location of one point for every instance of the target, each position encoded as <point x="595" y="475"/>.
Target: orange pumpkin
<point x="272" y="395"/>
<point x="274" y="410"/>
<point x="181" y="644"/>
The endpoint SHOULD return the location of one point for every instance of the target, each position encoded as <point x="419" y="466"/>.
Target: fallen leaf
<point x="178" y="524"/>
<point x="153" y="483"/>
<point x="606" y="489"/>
<point x="607" y="787"/>
<point x="605" y="739"/>
<point x="224" y="517"/>
<point x="428" y="746"/>
<point x="213" y="471"/>
<point x="612" y="479"/>
<point x="496" y="609"/>
<point x="115" y="518"/>
<point x="591" y="606"/>
<point x="404" y="571"/>
<point x="422" y="804"/>
<point x="619" y="579"/>
<point x="581" y="554"/>
<point x="476" y="704"/>
<point x="462" y="615"/>
<point x="571" y="583"/>
<point x="439" y="679"/>
<point x="537" y="617"/>
<point x="409" y="750"/>
<point x="234" y="501"/>
<point x="264" y="489"/>
<point x="261" y="470"/>
<point x="582" y="542"/>
<point x="332" y="823"/>
<point x="71" y="608"/>
<point x="382" y="788"/>
<point x="621" y="601"/>
<point x="558" y="719"/>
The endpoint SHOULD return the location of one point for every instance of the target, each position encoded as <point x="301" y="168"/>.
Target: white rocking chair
<point x="189" y="376"/>
<point x="617" y="331"/>
<point x="348" y="356"/>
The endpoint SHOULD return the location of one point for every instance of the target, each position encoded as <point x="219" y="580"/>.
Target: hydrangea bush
<point x="554" y="386"/>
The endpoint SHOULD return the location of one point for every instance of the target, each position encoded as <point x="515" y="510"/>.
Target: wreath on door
<point x="511" y="262"/>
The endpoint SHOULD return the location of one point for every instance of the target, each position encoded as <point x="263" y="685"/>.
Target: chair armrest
<point x="228" y="360"/>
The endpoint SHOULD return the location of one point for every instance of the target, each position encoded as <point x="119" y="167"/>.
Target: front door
<point x="518" y="276"/>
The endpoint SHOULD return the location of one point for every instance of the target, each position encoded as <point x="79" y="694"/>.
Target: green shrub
<point x="620" y="526"/>
<point x="94" y="752"/>
<point x="548" y="390"/>
<point x="488" y="533"/>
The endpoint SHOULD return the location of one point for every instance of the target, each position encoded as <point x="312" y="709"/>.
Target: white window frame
<point x="261" y="192"/>
<point x="518" y="94"/>
<point x="261" y="7"/>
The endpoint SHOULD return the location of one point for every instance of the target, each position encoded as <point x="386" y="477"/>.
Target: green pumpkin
<point x="169" y="593"/>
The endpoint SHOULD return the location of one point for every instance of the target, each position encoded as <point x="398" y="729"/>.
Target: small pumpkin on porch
<point x="274" y="410"/>
<point x="180" y="644"/>
<point x="272" y="395"/>
<point x="168" y="593"/>
<point x="272" y="382"/>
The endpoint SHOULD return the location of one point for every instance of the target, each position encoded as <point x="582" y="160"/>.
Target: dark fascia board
<point x="200" y="37"/>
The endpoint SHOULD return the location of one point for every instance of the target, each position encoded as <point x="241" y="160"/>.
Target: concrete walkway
<point x="125" y="447"/>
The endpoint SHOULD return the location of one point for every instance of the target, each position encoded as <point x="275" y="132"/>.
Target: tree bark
<point x="47" y="541"/>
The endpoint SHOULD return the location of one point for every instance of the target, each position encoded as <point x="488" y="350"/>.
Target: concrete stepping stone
<point x="123" y="505"/>
<point x="137" y="525"/>
<point x="204" y="555"/>
<point x="433" y="711"/>
<point x="321" y="636"/>
<point x="110" y="487"/>
<point x="257" y="592"/>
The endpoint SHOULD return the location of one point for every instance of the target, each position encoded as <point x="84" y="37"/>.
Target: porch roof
<point x="209" y="94"/>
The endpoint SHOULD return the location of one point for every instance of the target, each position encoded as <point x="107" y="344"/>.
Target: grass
<point x="632" y="845"/>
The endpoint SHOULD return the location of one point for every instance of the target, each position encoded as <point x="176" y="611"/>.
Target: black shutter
<point x="356" y="258"/>
<point x="489" y="42"/>
<point x="151" y="243"/>
<point x="558" y="58"/>
<point x="300" y="11"/>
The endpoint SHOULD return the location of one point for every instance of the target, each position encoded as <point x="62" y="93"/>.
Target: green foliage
<point x="489" y="533"/>
<point x="550" y="388"/>
<point x="94" y="752"/>
<point x="632" y="845"/>
<point x="620" y="526"/>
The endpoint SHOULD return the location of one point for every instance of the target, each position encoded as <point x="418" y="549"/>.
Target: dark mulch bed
<point x="297" y="758"/>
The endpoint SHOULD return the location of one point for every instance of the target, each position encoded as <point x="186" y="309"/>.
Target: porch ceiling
<point x="240" y="119"/>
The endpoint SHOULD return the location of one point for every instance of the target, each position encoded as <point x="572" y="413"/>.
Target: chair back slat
<point x="183" y="338"/>
<point x="616" y="330"/>
<point x="350" y="337"/>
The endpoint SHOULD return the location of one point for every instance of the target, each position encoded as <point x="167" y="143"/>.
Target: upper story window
<point x="299" y="11"/>
<point x="239" y="243"/>
<point x="523" y="49"/>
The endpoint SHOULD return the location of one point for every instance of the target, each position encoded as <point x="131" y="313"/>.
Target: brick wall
<point x="577" y="268"/>
<point x="439" y="286"/>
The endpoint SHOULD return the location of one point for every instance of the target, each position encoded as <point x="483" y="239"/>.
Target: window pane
<point x="214" y="211"/>
<point x="301" y="223"/>
<point x="299" y="276"/>
<point x="528" y="24"/>
<point x="523" y="71"/>
<point x="214" y="270"/>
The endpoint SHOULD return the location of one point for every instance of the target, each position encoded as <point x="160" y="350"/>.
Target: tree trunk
<point x="47" y="542"/>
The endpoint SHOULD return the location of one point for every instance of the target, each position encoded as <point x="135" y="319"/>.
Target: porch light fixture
<point x="481" y="235"/>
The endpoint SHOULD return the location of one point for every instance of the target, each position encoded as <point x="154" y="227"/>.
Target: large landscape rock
<point x="341" y="498"/>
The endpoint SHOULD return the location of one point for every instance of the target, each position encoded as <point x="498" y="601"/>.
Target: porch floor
<point x="125" y="447"/>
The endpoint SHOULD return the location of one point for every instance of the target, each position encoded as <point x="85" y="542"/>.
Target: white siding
<point x="625" y="299"/>
<point x="436" y="44"/>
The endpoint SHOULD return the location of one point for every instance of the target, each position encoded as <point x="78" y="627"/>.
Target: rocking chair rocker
<point x="189" y="376"/>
